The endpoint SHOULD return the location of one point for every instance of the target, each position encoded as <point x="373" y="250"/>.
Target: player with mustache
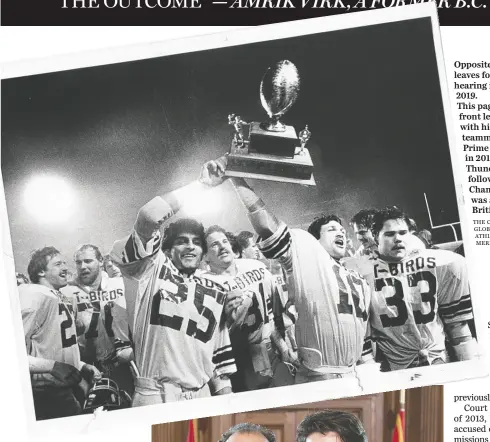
<point x="252" y="323"/>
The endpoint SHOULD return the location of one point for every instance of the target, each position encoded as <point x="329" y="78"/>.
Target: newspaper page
<point x="465" y="69"/>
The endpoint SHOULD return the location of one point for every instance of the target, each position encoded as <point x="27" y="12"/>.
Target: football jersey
<point x="331" y="300"/>
<point x="108" y="327"/>
<point x="177" y="328"/>
<point x="256" y="286"/>
<point x="412" y="300"/>
<point x="49" y="328"/>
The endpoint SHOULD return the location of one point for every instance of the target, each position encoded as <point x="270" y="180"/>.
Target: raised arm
<point x="130" y="253"/>
<point x="155" y="212"/>
<point x="263" y="221"/>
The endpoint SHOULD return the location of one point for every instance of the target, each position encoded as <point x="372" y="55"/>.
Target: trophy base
<point x="274" y="143"/>
<point x="244" y="163"/>
<point x="259" y="176"/>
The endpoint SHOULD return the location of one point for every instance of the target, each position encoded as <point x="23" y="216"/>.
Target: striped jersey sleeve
<point x="278" y="246"/>
<point x="223" y="359"/>
<point x="135" y="250"/>
<point x="132" y="254"/>
<point x="454" y="292"/>
<point x="133" y="257"/>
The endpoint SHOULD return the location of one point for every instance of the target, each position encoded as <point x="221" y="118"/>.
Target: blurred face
<point x="251" y="251"/>
<point x="111" y="269"/>
<point x="393" y="240"/>
<point x="186" y="252"/>
<point x="333" y="240"/>
<point x="220" y="254"/>
<point x="331" y="436"/>
<point x="247" y="437"/>
<point x="364" y="236"/>
<point x="88" y="266"/>
<point x="56" y="273"/>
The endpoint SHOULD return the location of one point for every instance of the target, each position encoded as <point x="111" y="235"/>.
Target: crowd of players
<point x="177" y="311"/>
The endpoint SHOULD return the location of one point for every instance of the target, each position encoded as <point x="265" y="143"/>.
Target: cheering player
<point x="51" y="338"/>
<point x="251" y="323"/>
<point x="331" y="301"/>
<point x="418" y="296"/>
<point x="182" y="348"/>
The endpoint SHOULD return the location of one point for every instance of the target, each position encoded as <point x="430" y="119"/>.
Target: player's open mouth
<point x="340" y="242"/>
<point x="188" y="256"/>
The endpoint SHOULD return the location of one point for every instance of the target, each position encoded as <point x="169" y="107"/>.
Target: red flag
<point x="190" y="432"/>
<point x="399" y="430"/>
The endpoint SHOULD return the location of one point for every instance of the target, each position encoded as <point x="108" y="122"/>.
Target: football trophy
<point x="271" y="150"/>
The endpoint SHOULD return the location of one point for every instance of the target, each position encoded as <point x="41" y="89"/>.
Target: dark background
<point x="51" y="13"/>
<point x="124" y="133"/>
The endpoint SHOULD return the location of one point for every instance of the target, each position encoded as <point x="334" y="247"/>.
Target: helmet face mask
<point x="105" y="393"/>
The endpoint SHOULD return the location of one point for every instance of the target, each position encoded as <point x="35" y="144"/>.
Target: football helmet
<point x="106" y="393"/>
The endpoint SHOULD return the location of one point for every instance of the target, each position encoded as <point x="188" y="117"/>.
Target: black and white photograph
<point x="206" y="225"/>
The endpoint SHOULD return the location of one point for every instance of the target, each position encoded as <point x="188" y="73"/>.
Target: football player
<point x="361" y="222"/>
<point x="247" y="243"/>
<point x="331" y="301"/>
<point x="57" y="373"/>
<point x="418" y="296"/>
<point x="182" y="347"/>
<point x="103" y="299"/>
<point x="110" y="268"/>
<point x="251" y="323"/>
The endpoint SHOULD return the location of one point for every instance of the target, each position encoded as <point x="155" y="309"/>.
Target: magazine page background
<point x="465" y="44"/>
<point x="459" y="43"/>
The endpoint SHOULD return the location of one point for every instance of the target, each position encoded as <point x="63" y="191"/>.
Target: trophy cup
<point x="272" y="150"/>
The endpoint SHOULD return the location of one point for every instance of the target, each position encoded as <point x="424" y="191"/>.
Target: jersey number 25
<point x="175" y="322"/>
